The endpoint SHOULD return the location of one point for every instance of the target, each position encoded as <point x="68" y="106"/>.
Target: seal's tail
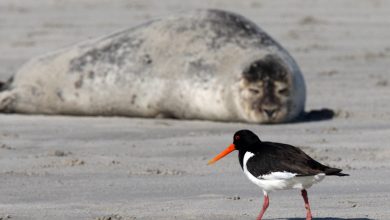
<point x="6" y="96"/>
<point x="2" y="86"/>
<point x="6" y="85"/>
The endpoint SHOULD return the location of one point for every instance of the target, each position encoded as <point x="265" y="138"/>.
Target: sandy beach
<point x="61" y="167"/>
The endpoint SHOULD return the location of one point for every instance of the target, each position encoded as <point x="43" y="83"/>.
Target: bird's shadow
<point x="329" y="218"/>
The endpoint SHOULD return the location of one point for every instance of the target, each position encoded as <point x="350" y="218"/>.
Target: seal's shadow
<point x="316" y="115"/>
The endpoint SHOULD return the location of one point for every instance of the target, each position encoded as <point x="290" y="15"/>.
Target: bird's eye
<point x="237" y="137"/>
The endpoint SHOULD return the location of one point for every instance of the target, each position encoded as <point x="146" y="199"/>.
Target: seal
<point x="206" y="64"/>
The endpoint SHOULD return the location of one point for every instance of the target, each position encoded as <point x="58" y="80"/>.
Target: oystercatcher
<point x="276" y="166"/>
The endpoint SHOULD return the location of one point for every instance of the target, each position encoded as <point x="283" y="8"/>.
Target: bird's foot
<point x="265" y="206"/>
<point x="308" y="215"/>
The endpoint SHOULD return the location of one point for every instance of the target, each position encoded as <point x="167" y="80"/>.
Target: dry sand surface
<point x="62" y="167"/>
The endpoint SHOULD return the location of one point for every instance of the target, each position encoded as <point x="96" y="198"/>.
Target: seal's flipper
<point x="6" y="99"/>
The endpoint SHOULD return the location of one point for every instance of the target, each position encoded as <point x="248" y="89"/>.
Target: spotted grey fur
<point x="207" y="64"/>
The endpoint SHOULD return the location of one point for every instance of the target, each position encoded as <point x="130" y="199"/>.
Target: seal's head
<point x="267" y="93"/>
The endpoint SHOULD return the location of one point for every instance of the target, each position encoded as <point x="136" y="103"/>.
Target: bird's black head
<point x="244" y="139"/>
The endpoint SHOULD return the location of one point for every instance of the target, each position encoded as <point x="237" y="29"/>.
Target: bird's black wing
<point x="277" y="157"/>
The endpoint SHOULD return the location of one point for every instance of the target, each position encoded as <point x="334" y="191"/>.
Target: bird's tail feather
<point x="335" y="172"/>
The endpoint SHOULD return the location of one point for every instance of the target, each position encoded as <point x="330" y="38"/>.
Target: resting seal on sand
<point x="207" y="64"/>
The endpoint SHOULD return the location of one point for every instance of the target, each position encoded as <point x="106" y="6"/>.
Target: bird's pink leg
<point x="265" y="206"/>
<point x="307" y="206"/>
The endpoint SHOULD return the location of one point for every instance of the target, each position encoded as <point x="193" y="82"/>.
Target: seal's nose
<point x="269" y="112"/>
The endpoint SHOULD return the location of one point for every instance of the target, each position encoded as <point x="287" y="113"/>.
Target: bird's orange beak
<point x="228" y="150"/>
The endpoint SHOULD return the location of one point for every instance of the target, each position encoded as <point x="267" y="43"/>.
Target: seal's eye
<point x="254" y="91"/>
<point x="283" y="91"/>
<point x="237" y="137"/>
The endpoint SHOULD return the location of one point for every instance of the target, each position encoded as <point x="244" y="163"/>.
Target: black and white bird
<point x="276" y="166"/>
